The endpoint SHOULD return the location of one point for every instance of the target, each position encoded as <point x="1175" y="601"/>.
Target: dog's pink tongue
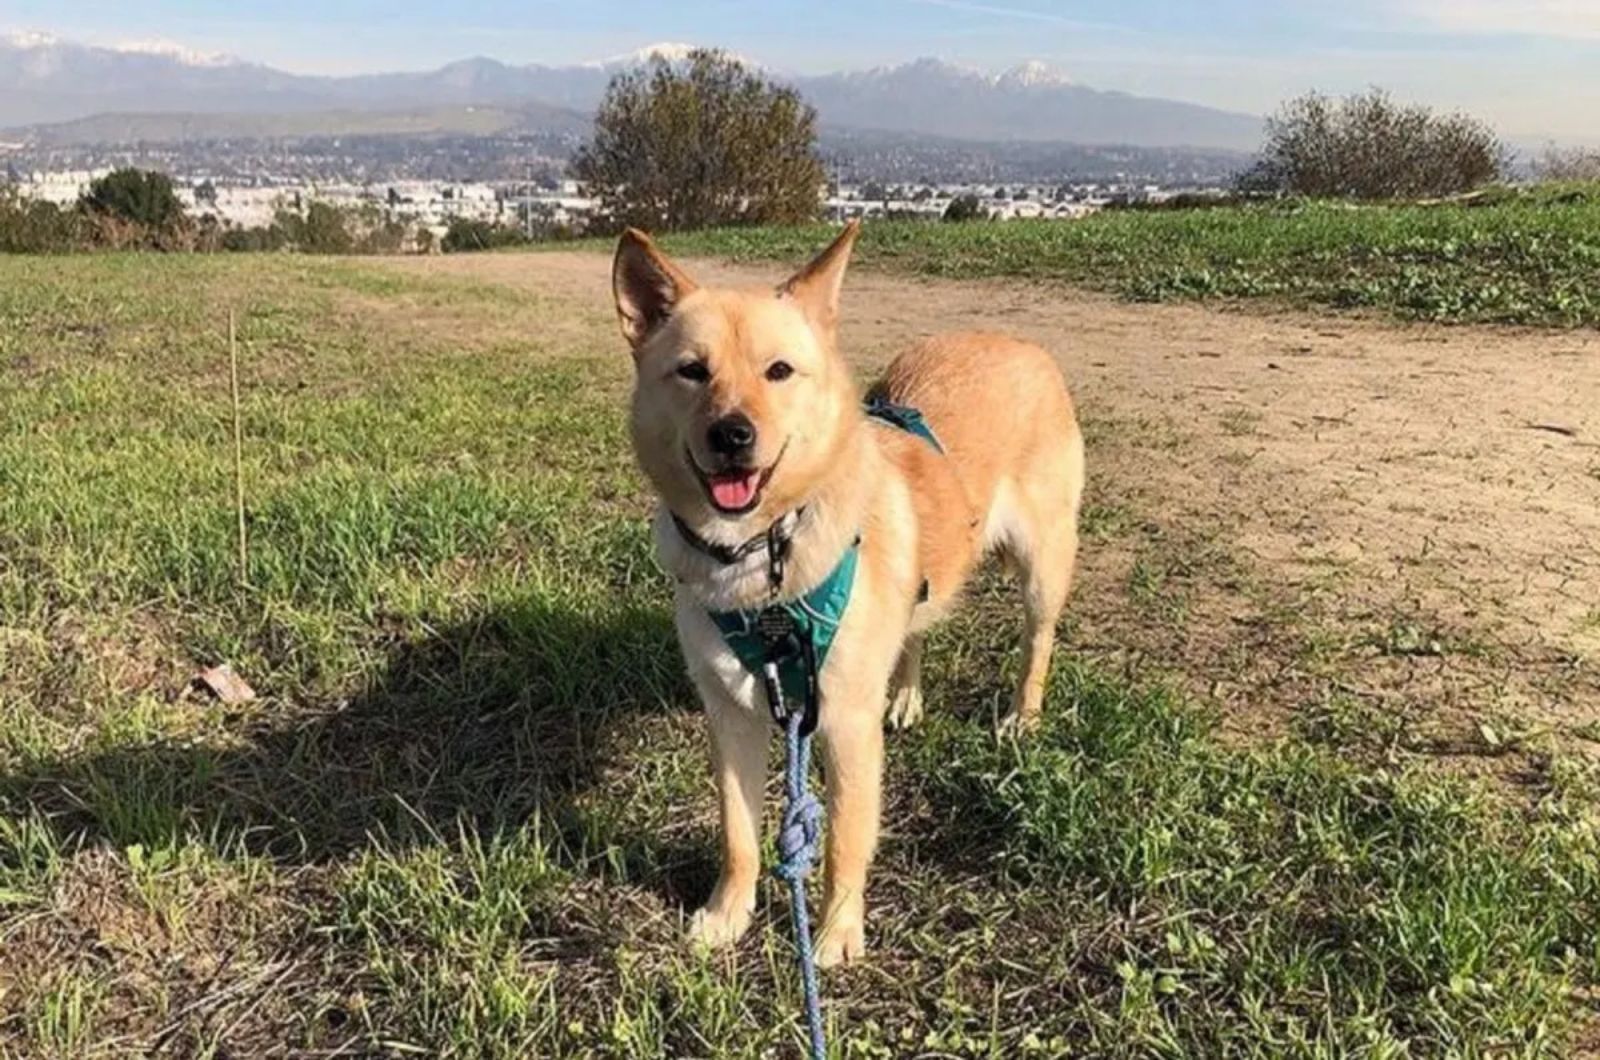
<point x="734" y="490"/>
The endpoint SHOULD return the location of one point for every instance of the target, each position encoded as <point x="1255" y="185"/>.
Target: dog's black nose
<point x="731" y="435"/>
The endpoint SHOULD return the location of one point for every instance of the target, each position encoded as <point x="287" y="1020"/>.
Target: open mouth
<point x="736" y="490"/>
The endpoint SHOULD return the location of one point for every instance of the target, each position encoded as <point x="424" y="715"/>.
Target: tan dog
<point x="746" y="419"/>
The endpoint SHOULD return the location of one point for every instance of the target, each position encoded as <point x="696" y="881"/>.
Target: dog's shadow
<point x="480" y="726"/>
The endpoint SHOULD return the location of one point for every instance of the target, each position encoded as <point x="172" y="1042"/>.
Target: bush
<point x="128" y="213"/>
<point x="1568" y="164"/>
<point x="965" y="208"/>
<point x="252" y="240"/>
<point x="324" y="228"/>
<point x="1367" y="146"/>
<point x="467" y="234"/>
<point x="321" y="229"/>
<point x="141" y="198"/>
<point x="702" y="143"/>
<point x="33" y="226"/>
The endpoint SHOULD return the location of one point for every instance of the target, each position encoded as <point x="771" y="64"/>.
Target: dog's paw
<point x="842" y="942"/>
<point x="717" y="928"/>
<point x="905" y="708"/>
<point x="1017" y="724"/>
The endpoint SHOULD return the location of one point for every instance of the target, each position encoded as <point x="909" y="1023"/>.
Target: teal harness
<point x="785" y="643"/>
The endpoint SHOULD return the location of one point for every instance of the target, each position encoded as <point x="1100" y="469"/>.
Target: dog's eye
<point x="778" y="371"/>
<point x="694" y="371"/>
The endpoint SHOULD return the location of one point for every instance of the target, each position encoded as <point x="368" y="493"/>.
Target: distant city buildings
<point x="254" y="201"/>
<point x="428" y="204"/>
<point x="996" y="202"/>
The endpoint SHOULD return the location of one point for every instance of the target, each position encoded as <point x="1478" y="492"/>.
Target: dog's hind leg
<point x="905" y="688"/>
<point x="1045" y="549"/>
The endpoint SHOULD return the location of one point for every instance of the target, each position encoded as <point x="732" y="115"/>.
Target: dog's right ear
<point x="646" y="284"/>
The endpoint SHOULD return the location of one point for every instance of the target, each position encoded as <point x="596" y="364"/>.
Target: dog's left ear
<point x="646" y="284"/>
<point x="816" y="287"/>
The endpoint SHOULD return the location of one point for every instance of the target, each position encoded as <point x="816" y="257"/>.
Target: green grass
<point x="470" y="809"/>
<point x="1519" y="258"/>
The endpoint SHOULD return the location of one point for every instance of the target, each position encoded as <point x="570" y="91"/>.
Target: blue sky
<point x="1531" y="67"/>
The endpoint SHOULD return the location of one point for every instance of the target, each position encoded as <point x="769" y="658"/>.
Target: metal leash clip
<point x="782" y="642"/>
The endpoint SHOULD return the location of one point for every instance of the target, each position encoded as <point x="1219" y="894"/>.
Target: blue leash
<point x="797" y="851"/>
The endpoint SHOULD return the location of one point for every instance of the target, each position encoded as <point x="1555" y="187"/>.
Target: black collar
<point x="774" y="541"/>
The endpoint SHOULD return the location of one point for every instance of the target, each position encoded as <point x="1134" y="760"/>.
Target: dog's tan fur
<point x="1009" y="480"/>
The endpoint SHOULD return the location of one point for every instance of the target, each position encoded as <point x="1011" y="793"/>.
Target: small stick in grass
<point x="238" y="450"/>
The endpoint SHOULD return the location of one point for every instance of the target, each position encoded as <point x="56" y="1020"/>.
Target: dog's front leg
<point x="739" y="757"/>
<point x="852" y="745"/>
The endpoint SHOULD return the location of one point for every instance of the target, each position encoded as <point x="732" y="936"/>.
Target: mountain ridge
<point x="46" y="80"/>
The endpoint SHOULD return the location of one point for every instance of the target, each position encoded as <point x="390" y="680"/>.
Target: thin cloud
<point x="1564" y="19"/>
<point x="1002" y="11"/>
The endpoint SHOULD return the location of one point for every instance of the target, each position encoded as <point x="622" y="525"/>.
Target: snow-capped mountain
<point x="175" y="51"/>
<point x="1033" y="101"/>
<point x="46" y="79"/>
<point x="672" y="51"/>
<point x="1035" y="73"/>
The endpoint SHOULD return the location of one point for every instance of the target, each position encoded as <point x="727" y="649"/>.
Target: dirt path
<point x="1423" y="501"/>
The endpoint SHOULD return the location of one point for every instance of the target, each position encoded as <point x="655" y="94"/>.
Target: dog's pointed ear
<point x="646" y="284"/>
<point x="816" y="287"/>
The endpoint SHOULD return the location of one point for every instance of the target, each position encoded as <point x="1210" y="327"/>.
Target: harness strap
<point x="785" y="643"/>
<point x="904" y="417"/>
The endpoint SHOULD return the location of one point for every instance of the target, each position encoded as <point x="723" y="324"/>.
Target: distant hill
<point x="45" y="81"/>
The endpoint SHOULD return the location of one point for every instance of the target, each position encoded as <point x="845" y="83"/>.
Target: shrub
<point x="261" y="238"/>
<point x="326" y="228"/>
<point x="1568" y="164"/>
<point x="321" y="229"/>
<point x="1367" y="146"/>
<point x="141" y="198"/>
<point x="468" y="234"/>
<point x="33" y="226"/>
<point x="965" y="208"/>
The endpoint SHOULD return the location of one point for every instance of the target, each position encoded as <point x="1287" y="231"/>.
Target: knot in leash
<point x="802" y="826"/>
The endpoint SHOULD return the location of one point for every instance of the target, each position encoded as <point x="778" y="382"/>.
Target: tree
<point x="136" y="196"/>
<point x="1367" y="146"/>
<point x="965" y="208"/>
<point x="705" y="141"/>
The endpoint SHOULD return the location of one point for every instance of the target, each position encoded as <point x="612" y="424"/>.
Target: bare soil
<point x="1319" y="520"/>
